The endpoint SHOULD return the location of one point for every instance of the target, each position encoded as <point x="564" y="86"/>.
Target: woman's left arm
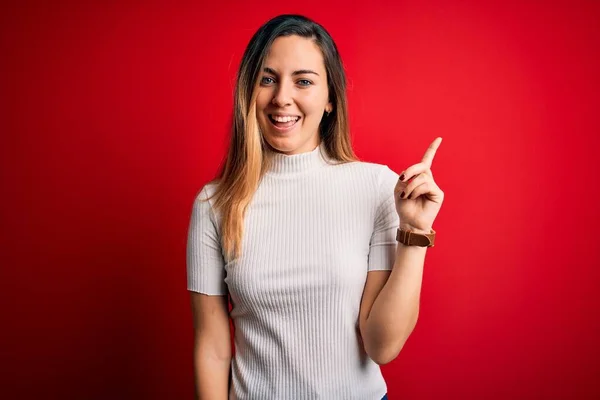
<point x="390" y="304"/>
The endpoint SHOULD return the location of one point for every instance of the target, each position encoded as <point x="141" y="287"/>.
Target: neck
<point x="283" y="164"/>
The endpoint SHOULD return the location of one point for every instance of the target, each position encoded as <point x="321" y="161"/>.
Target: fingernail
<point x="402" y="177"/>
<point x="402" y="195"/>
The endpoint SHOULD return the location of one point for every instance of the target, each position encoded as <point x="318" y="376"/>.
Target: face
<point x="292" y="95"/>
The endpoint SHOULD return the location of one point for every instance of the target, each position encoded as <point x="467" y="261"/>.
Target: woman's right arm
<point x="212" y="346"/>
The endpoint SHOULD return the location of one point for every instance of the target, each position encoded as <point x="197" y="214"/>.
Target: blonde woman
<point x="301" y="236"/>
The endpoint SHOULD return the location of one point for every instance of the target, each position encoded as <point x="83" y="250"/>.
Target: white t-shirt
<point x="311" y="233"/>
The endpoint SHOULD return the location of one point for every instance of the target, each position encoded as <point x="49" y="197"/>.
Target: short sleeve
<point x="382" y="247"/>
<point x="204" y="258"/>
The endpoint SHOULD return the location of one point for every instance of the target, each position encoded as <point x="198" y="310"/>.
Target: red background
<point x="114" y="116"/>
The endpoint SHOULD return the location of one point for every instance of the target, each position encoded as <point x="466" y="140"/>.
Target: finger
<point x="430" y="190"/>
<point x="420" y="190"/>
<point x="412" y="171"/>
<point x="430" y="152"/>
<point x="415" y="182"/>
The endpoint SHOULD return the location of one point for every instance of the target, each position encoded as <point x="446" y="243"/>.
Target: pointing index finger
<point x="430" y="152"/>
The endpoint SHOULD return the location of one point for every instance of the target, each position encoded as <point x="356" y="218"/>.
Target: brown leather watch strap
<point x="410" y="238"/>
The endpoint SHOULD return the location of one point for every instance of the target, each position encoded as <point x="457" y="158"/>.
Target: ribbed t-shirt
<point x="312" y="232"/>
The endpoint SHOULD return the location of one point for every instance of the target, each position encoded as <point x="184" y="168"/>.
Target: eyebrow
<point x="299" y="72"/>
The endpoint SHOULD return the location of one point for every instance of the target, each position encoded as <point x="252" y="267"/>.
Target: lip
<point x="283" y="115"/>
<point x="287" y="129"/>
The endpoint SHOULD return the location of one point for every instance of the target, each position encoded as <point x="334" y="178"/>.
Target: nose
<point x="282" y="96"/>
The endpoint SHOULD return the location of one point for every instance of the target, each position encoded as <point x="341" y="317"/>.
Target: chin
<point x="282" y="144"/>
<point x="288" y="142"/>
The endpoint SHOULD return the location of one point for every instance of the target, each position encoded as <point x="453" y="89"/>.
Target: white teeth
<point x="284" y="119"/>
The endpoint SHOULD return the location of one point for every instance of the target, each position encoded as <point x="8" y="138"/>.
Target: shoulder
<point x="203" y="204"/>
<point x="383" y="181"/>
<point x="206" y="193"/>
<point x="381" y="170"/>
<point x="380" y="174"/>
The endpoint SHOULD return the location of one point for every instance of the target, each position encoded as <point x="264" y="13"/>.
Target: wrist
<point x="406" y="227"/>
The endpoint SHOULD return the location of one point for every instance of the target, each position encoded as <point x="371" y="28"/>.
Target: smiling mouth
<point x="283" y="123"/>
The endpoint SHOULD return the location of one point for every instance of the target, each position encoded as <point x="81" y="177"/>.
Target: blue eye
<point x="265" y="79"/>
<point x="304" y="82"/>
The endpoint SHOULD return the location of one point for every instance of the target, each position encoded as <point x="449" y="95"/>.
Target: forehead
<point x="288" y="53"/>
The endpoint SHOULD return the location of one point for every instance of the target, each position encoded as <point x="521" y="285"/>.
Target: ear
<point x="329" y="107"/>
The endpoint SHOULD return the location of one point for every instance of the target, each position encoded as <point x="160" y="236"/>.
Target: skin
<point x="286" y="87"/>
<point x="418" y="197"/>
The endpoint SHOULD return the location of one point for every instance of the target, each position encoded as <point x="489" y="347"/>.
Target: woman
<point x="302" y="236"/>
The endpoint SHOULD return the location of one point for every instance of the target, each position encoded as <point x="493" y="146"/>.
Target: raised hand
<point x="418" y="197"/>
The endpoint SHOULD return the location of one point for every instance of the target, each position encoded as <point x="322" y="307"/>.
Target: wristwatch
<point x="410" y="238"/>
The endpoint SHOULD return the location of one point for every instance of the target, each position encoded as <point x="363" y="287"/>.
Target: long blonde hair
<point x="248" y="156"/>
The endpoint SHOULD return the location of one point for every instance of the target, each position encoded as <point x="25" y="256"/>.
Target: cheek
<point x="313" y="105"/>
<point x="260" y="111"/>
<point x="262" y="101"/>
